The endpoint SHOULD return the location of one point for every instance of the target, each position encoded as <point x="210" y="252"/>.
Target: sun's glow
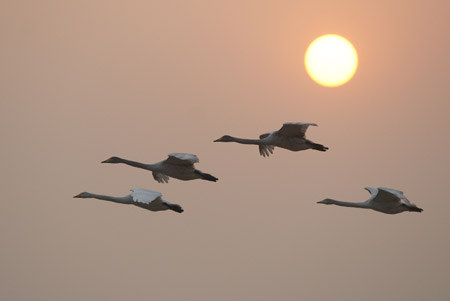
<point x="331" y="60"/>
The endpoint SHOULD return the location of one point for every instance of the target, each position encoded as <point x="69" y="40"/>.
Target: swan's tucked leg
<point x="174" y="207"/>
<point x="319" y="147"/>
<point x="206" y="176"/>
<point x="413" y="208"/>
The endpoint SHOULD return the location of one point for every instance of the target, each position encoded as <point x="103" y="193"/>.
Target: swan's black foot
<point x="175" y="207"/>
<point x="319" y="147"/>
<point x="206" y="176"/>
<point x="415" y="209"/>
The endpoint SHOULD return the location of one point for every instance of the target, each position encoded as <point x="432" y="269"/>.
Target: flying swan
<point x="179" y="166"/>
<point x="382" y="199"/>
<point x="147" y="199"/>
<point x="291" y="136"/>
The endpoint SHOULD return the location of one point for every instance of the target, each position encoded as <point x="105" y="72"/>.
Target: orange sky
<point x="81" y="81"/>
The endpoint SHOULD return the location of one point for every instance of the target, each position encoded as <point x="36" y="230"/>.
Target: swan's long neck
<point x="122" y="200"/>
<point x="136" y="164"/>
<point x="349" y="204"/>
<point x="247" y="141"/>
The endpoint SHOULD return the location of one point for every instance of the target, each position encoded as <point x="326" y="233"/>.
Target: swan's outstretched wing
<point x="397" y="193"/>
<point x="262" y="136"/>
<point x="160" y="177"/>
<point x="295" y="129"/>
<point x="380" y="195"/>
<point x="265" y="150"/>
<point x="383" y="195"/>
<point x="182" y="159"/>
<point x="148" y="199"/>
<point x="145" y="196"/>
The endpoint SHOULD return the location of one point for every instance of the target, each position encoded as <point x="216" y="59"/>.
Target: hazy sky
<point x="81" y="81"/>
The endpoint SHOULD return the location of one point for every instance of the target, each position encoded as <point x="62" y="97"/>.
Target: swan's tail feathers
<point x="265" y="150"/>
<point x="319" y="147"/>
<point x="206" y="176"/>
<point x="415" y="209"/>
<point x="175" y="207"/>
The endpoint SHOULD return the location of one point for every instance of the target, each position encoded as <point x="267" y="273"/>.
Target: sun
<point x="331" y="60"/>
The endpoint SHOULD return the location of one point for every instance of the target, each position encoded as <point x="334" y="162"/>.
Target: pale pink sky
<point x="81" y="81"/>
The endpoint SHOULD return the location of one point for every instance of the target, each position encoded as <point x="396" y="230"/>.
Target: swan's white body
<point x="177" y="165"/>
<point x="291" y="136"/>
<point x="144" y="198"/>
<point x="382" y="199"/>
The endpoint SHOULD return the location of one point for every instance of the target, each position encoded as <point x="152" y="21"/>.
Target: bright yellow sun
<point x="331" y="60"/>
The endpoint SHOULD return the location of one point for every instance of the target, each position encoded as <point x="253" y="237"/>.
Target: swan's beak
<point x="217" y="140"/>
<point x="78" y="196"/>
<point x="321" y="202"/>
<point x="106" y="161"/>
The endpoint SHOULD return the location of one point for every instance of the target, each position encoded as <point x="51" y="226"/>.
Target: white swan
<point x="179" y="166"/>
<point x="291" y="136"/>
<point x="147" y="199"/>
<point x="382" y="199"/>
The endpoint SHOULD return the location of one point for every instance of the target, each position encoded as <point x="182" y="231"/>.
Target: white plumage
<point x="290" y="136"/>
<point x="177" y="165"/>
<point x="150" y="199"/>
<point x="295" y="129"/>
<point x="386" y="200"/>
<point x="182" y="159"/>
<point x="144" y="198"/>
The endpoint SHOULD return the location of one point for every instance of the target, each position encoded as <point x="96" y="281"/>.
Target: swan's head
<point x="225" y="138"/>
<point x="326" y="202"/>
<point x="112" y="160"/>
<point x="82" y="195"/>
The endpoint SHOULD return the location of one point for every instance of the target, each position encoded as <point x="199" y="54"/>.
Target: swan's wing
<point x="148" y="199"/>
<point x="397" y="193"/>
<point x="295" y="129"/>
<point x="144" y="197"/>
<point x="160" y="177"/>
<point x="262" y="136"/>
<point x="265" y="150"/>
<point x="182" y="159"/>
<point x="373" y="192"/>
<point x="393" y="191"/>
<point x="379" y="195"/>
